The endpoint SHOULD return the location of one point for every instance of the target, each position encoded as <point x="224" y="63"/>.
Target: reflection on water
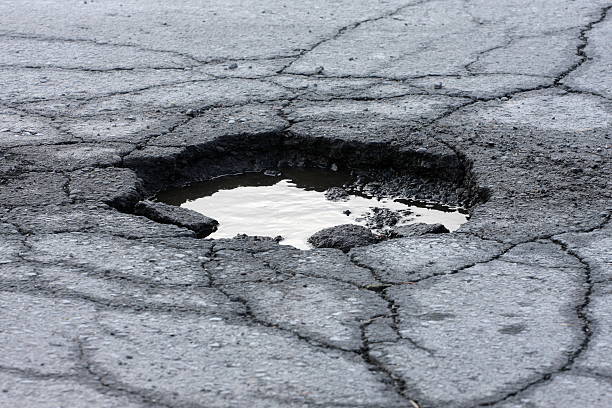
<point x="293" y="205"/>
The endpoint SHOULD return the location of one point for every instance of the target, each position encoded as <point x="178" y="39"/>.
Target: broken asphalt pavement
<point x="100" y="100"/>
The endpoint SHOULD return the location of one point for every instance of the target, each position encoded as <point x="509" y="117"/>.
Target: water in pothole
<point x="294" y="205"/>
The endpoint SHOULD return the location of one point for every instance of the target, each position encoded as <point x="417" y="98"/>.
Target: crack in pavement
<point x="584" y="40"/>
<point x="196" y="61"/>
<point x="581" y="313"/>
<point x="581" y="309"/>
<point x="349" y="27"/>
<point x="363" y="352"/>
<point x="511" y="40"/>
<point x="107" y="383"/>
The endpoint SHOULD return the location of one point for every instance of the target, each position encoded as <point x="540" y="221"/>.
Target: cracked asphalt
<point x="103" y="102"/>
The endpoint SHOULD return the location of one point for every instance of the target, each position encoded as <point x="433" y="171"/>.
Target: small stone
<point x="438" y="85"/>
<point x="319" y="70"/>
<point x="334" y="167"/>
<point x="336" y="194"/>
<point x="343" y="237"/>
<point x="233" y="66"/>
<point x="379" y="218"/>
<point x="421" y="150"/>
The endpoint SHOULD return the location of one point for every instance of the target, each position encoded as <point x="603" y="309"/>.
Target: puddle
<point x="293" y="205"/>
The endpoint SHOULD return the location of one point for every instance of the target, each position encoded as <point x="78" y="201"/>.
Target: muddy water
<point x="293" y="205"/>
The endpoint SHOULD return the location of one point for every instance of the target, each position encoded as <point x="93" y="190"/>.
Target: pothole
<point x="387" y="186"/>
<point x="295" y="203"/>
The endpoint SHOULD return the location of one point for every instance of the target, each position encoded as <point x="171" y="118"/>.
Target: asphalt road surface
<point x="103" y="102"/>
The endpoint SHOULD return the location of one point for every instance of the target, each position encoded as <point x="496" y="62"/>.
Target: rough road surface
<point x="101" y="100"/>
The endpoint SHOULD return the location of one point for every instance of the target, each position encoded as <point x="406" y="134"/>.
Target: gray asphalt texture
<point x="103" y="308"/>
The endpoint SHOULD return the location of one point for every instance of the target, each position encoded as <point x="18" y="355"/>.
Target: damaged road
<point x="503" y="107"/>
